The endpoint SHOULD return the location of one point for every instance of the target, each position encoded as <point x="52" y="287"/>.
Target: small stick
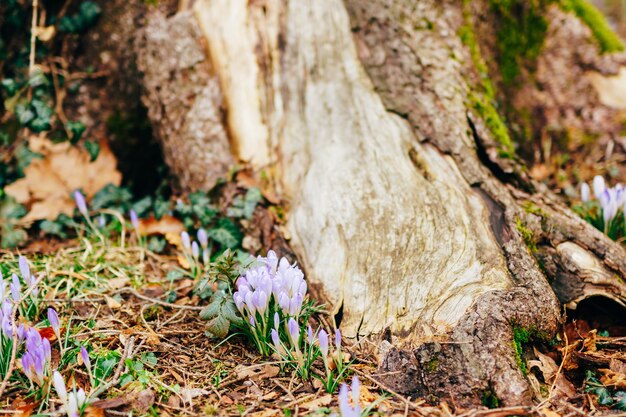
<point x="33" y="38"/>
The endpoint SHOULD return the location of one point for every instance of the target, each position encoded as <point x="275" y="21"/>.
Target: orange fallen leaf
<point x="165" y="225"/>
<point x="318" y="402"/>
<point x="48" y="183"/>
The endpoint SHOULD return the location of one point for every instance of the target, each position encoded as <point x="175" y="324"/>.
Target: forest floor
<point x="129" y="296"/>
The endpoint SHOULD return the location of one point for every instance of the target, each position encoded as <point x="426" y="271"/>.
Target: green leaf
<point x="77" y="129"/>
<point x="93" y="148"/>
<point x="11" y="209"/>
<point x="113" y="197"/>
<point x="156" y="244"/>
<point x="24" y="114"/>
<point x="142" y="207"/>
<point x="226" y="233"/>
<point x="215" y="306"/>
<point x="24" y="156"/>
<point x="81" y="21"/>
<point x="149" y="358"/>
<point x="620" y="400"/>
<point x="10" y="86"/>
<point x="12" y="237"/>
<point x="218" y="327"/>
<point x="52" y="228"/>
<point x="243" y="207"/>
<point x="160" y="208"/>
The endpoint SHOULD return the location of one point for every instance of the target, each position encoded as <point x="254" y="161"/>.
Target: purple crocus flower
<point x="203" y="238"/>
<point x="134" y="219"/>
<point x="337" y="339"/>
<point x="195" y="250"/>
<point x="585" y="192"/>
<point x="59" y="386"/>
<point x="275" y="339"/>
<point x="101" y="221"/>
<point x="24" y="268"/>
<point x="53" y="318"/>
<point x="323" y="338"/>
<point x="81" y="203"/>
<point x="37" y="356"/>
<point x="294" y="331"/>
<point x="85" y="357"/>
<point x="309" y="333"/>
<point x="598" y="186"/>
<point x="184" y="236"/>
<point x="345" y="408"/>
<point x="6" y="312"/>
<point x="16" y="288"/>
<point x="276" y="320"/>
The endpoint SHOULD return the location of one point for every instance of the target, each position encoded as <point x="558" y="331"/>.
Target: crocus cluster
<point x="73" y="400"/>
<point x="13" y="295"/>
<point x="349" y="408"/>
<point x="612" y="200"/>
<point x="192" y="250"/>
<point x="274" y="280"/>
<point x="36" y="358"/>
<point x="271" y="288"/>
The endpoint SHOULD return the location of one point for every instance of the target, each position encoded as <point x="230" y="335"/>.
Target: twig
<point x="33" y="38"/>
<point x="128" y="351"/>
<point x="156" y="301"/>
<point x="406" y="400"/>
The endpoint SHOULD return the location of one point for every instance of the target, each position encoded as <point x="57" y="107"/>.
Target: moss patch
<point x="527" y="235"/>
<point x="489" y="399"/>
<point x="607" y="39"/>
<point x="521" y="31"/>
<point x="483" y="98"/>
<point x="521" y="337"/>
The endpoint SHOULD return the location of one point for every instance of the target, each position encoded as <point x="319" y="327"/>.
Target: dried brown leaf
<point x="48" y="183"/>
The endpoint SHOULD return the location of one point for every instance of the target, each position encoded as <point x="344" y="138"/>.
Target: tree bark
<point x="408" y="212"/>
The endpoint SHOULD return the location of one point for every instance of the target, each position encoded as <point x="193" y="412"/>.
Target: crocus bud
<point x="584" y="192"/>
<point x="101" y="221"/>
<point x="309" y="333"/>
<point x="195" y="250"/>
<point x="276" y="320"/>
<point x="184" y="236"/>
<point x="59" y="386"/>
<point x="24" y="268"/>
<point x="344" y="401"/>
<point x="294" y="331"/>
<point x="84" y="355"/>
<point x="53" y="318"/>
<point x="598" y="186"/>
<point x="134" y="219"/>
<point x="16" y="288"/>
<point x="356" y="391"/>
<point x="72" y="405"/>
<point x="337" y="339"/>
<point x="80" y="203"/>
<point x="323" y="338"/>
<point x="203" y="238"/>
<point x="275" y="339"/>
<point x="252" y="321"/>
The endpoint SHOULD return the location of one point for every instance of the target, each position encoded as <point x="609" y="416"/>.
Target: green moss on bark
<point x="521" y="32"/>
<point x="607" y="39"/>
<point x="483" y="97"/>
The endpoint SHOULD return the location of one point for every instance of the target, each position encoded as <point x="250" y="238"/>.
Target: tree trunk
<point x="405" y="203"/>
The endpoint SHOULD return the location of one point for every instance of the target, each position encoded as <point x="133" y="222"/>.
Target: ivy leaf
<point x="10" y="211"/>
<point x="113" y="197"/>
<point x="243" y="207"/>
<point x="24" y="114"/>
<point x="81" y="21"/>
<point x="226" y="233"/>
<point x="12" y="236"/>
<point x="10" y="86"/>
<point x="620" y="400"/>
<point x="52" y="228"/>
<point x="77" y="129"/>
<point x="218" y="327"/>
